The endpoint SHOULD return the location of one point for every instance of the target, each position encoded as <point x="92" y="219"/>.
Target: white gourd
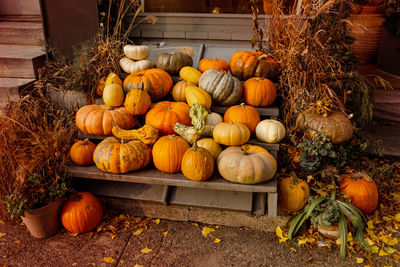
<point x="131" y="66"/>
<point x="212" y="119"/>
<point x="136" y="52"/>
<point x="270" y="131"/>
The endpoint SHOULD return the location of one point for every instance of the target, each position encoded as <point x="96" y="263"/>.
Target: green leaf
<point x="343" y="236"/>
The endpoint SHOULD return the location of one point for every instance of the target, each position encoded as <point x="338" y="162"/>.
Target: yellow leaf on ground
<point x="165" y="233"/>
<point x="370" y="242"/>
<point x="397" y="217"/>
<point x="146" y="250"/>
<point x="302" y="241"/>
<point x="206" y="230"/>
<point x="359" y="260"/>
<point x="138" y="265"/>
<point x="73" y="234"/>
<point x="383" y="253"/>
<point x="157" y="221"/>
<point x="370" y="224"/>
<point x="390" y="250"/>
<point x="374" y="249"/>
<point x="216" y="240"/>
<point x="293" y="249"/>
<point x="17" y="242"/>
<point x="138" y="231"/>
<point x="109" y="259"/>
<point x="217" y="227"/>
<point x="1" y="222"/>
<point x="279" y="233"/>
<point x="393" y="242"/>
<point x="2" y="234"/>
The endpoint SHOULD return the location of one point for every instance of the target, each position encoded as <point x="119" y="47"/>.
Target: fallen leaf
<point x="195" y="224"/>
<point x="1" y="222"/>
<point x="138" y="265"/>
<point x="138" y="231"/>
<point x="157" y="221"/>
<point x="370" y="224"/>
<point x="206" y="230"/>
<point x="216" y="240"/>
<point x="73" y="234"/>
<point x="2" y="234"/>
<point x="293" y="249"/>
<point x="17" y="242"/>
<point x="397" y="217"/>
<point x="217" y="227"/>
<point x="383" y="253"/>
<point x="390" y="250"/>
<point x="374" y="249"/>
<point x="359" y="260"/>
<point x="112" y="235"/>
<point x="146" y="250"/>
<point x="302" y="241"/>
<point x="109" y="259"/>
<point x="279" y="233"/>
<point x="370" y="242"/>
<point x="165" y="233"/>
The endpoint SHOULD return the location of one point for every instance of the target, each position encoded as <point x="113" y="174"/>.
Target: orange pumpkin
<point x="178" y="91"/>
<point x="81" y="152"/>
<point x="81" y="213"/>
<point x="362" y="190"/>
<point x="244" y="114"/>
<point x="120" y="156"/>
<point x="214" y="63"/>
<point x="293" y="193"/>
<point x="165" y="114"/>
<point x="168" y="152"/>
<point x="197" y="164"/>
<point x="99" y="119"/>
<point x="248" y="64"/>
<point x="137" y="102"/>
<point x="101" y="83"/>
<point x="259" y="92"/>
<point x="156" y="82"/>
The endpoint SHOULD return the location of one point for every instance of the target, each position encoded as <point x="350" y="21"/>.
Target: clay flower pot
<point x="43" y="222"/>
<point x="331" y="232"/>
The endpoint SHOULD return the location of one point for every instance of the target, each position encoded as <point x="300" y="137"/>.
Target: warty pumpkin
<point x="113" y="95"/>
<point x="164" y="115"/>
<point x="191" y="134"/>
<point x="270" y="131"/>
<point x="101" y="83"/>
<point x="197" y="164"/>
<point x="362" y="190"/>
<point x="293" y="193"/>
<point x="224" y="88"/>
<point x="121" y="156"/>
<point x="211" y="145"/>
<point x="178" y="91"/>
<point x="173" y="62"/>
<point x="137" y="102"/>
<point x="246" y="164"/>
<point x="81" y="152"/>
<point x="259" y="92"/>
<point x="81" y="213"/>
<point x="146" y="134"/>
<point x="214" y="63"/>
<point x="244" y="114"/>
<point x="136" y="52"/>
<point x="156" y="82"/>
<point x="196" y="95"/>
<point x="231" y="134"/>
<point x="100" y="119"/>
<point x="248" y="64"/>
<point x="168" y="152"/>
<point x="131" y="66"/>
<point x="336" y="125"/>
<point x="190" y="74"/>
<point x="212" y="119"/>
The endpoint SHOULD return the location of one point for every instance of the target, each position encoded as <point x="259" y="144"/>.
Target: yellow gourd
<point x="147" y="134"/>
<point x="190" y="74"/>
<point x="196" y="95"/>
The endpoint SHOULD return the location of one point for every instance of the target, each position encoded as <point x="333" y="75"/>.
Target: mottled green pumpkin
<point x="173" y="62"/>
<point x="119" y="156"/>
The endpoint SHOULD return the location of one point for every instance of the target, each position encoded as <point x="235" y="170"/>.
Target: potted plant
<point x="331" y="217"/>
<point x="35" y="140"/>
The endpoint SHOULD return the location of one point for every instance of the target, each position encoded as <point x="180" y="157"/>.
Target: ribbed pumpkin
<point x="190" y="74"/>
<point x="259" y="92"/>
<point x="212" y="119"/>
<point x="81" y="213"/>
<point x="156" y="82"/>
<point x="211" y="145"/>
<point x="137" y="102"/>
<point x="113" y="95"/>
<point x="173" y="62"/>
<point x="293" y="193"/>
<point x="246" y="164"/>
<point x="231" y="134"/>
<point x="101" y="83"/>
<point x="336" y="126"/>
<point x="248" y="64"/>
<point x="270" y="131"/>
<point x="178" y="91"/>
<point x="244" y="114"/>
<point x="120" y="156"/>
<point x="224" y="88"/>
<point x="81" y="152"/>
<point x="136" y="52"/>
<point x="130" y="66"/>
<point x="99" y="119"/>
<point x="214" y="63"/>
<point x="194" y="94"/>
<point x="113" y="78"/>
<point x="163" y="115"/>
<point x="168" y="152"/>
<point x="197" y="164"/>
<point x="362" y="190"/>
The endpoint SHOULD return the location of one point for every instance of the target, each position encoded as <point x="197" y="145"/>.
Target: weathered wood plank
<point x="152" y="176"/>
<point x="272" y="204"/>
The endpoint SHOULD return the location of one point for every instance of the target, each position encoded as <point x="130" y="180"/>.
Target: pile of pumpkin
<point x="170" y="127"/>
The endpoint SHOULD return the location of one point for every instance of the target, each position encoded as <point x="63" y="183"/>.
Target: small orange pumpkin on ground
<point x="244" y="114"/>
<point x="81" y="213"/>
<point x="214" y="63"/>
<point x="293" y="193"/>
<point x="168" y="152"/>
<point x="259" y="92"/>
<point x="362" y="190"/>
<point x="81" y="152"/>
<point x="197" y="164"/>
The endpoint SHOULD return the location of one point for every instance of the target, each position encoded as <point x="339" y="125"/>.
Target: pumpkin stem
<point x="360" y="175"/>
<point x="85" y="142"/>
<point x="242" y="105"/>
<point x="77" y="197"/>
<point x="295" y="180"/>
<point x="195" y="146"/>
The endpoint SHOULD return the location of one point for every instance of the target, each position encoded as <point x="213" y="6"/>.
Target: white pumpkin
<point x="136" y="52"/>
<point x="270" y="131"/>
<point x="211" y="145"/>
<point x="131" y="66"/>
<point x="212" y="119"/>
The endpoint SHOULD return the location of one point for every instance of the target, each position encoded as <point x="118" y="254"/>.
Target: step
<point x="11" y="87"/>
<point x="21" y="33"/>
<point x="21" y="18"/>
<point x="21" y="61"/>
<point x="387" y="105"/>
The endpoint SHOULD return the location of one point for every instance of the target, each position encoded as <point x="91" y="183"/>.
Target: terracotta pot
<point x="43" y="222"/>
<point x="331" y="232"/>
